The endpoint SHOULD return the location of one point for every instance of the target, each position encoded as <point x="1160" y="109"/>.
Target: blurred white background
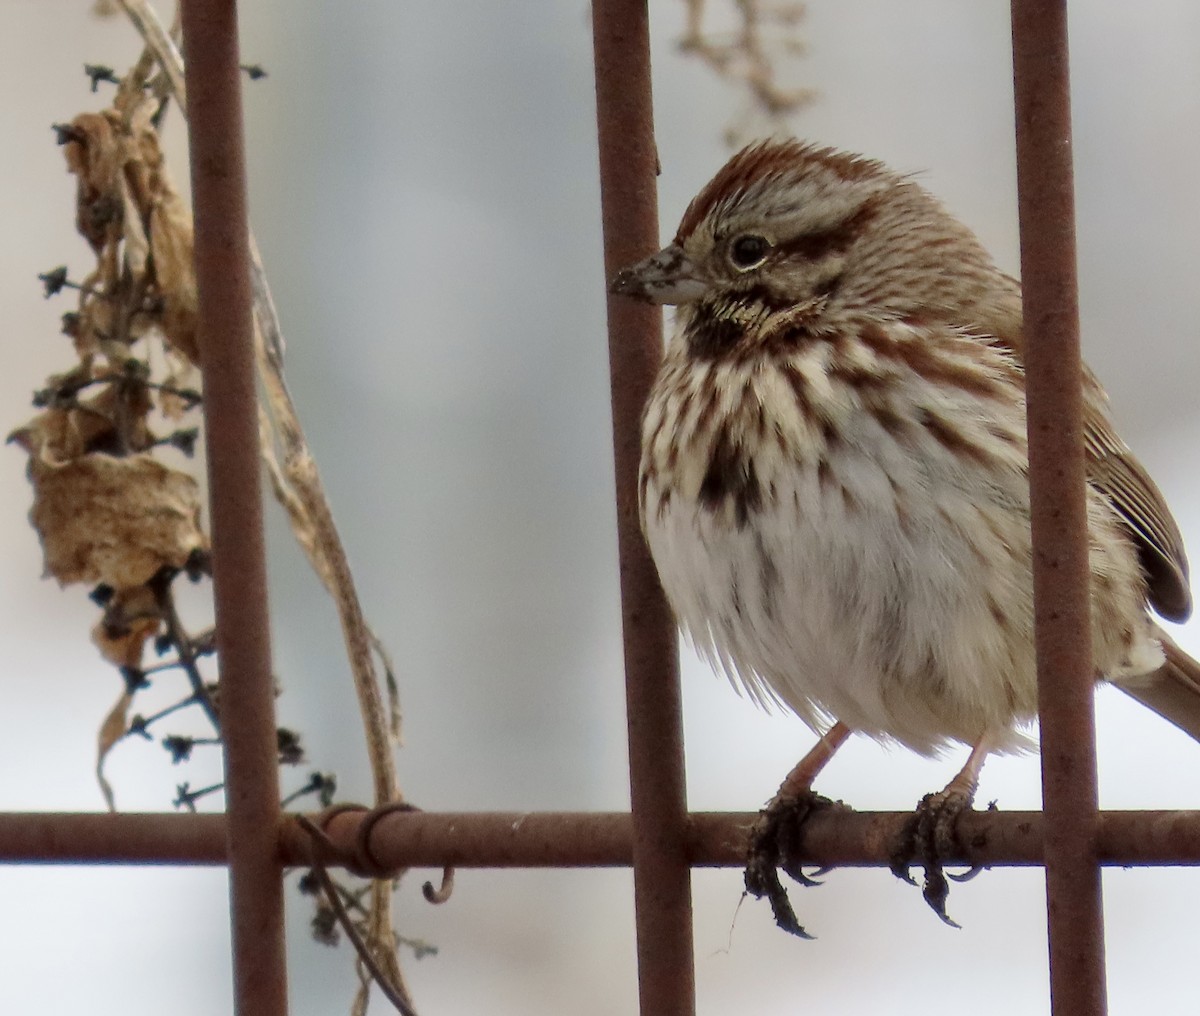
<point x="423" y="187"/>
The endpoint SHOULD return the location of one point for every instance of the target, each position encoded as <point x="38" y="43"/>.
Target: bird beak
<point x="665" y="277"/>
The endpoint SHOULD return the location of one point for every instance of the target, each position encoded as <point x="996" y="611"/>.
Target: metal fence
<point x="659" y="837"/>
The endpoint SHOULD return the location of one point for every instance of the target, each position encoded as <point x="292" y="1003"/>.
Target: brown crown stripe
<point x="766" y="159"/>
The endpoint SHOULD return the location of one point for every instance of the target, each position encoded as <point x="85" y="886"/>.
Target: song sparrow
<point x="834" y="482"/>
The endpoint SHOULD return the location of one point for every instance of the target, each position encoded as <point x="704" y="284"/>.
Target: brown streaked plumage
<point x="834" y="479"/>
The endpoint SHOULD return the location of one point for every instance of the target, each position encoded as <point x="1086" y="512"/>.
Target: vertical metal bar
<point x="1056" y="475"/>
<point x="628" y="165"/>
<point x="239" y="565"/>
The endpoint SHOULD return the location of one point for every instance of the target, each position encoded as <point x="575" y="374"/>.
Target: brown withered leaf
<point x="95" y="155"/>
<point x="95" y="319"/>
<point x="169" y="229"/>
<point x="131" y="405"/>
<point x="114" y="520"/>
<point x="137" y="242"/>
<point x="112" y="729"/>
<point x="131" y="619"/>
<point x="58" y="435"/>
<point x="181" y="373"/>
<point x="171" y="245"/>
<point x="125" y="197"/>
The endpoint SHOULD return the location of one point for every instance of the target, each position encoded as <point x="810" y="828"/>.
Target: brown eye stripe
<point x="835" y="240"/>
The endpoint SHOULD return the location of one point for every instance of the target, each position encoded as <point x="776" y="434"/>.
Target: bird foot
<point x="775" y="843"/>
<point x="930" y="838"/>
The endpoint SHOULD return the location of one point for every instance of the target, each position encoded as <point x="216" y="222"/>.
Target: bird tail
<point x="1172" y="691"/>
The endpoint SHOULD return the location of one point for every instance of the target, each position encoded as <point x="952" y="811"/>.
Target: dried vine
<point x="750" y="58"/>
<point x="112" y="506"/>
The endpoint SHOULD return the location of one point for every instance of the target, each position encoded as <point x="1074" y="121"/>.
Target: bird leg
<point x="776" y="838"/>
<point x="930" y="835"/>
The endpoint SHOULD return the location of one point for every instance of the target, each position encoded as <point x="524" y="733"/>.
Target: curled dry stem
<point x="375" y="962"/>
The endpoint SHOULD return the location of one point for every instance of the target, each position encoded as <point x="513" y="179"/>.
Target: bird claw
<point x="929" y="837"/>
<point x="775" y="844"/>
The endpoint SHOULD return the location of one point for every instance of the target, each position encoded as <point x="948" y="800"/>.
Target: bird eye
<point x="748" y="251"/>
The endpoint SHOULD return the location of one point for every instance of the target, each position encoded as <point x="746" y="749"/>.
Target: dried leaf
<point x="94" y="321"/>
<point x="114" y="520"/>
<point x="131" y="619"/>
<point x="125" y="198"/>
<point x="111" y="731"/>
<point x="94" y="154"/>
<point x="171" y="244"/>
<point x="181" y="373"/>
<point x="130" y="404"/>
<point x="169" y="227"/>
<point x="137" y="243"/>
<point x="58" y="434"/>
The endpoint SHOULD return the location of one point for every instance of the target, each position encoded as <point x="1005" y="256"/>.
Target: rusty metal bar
<point x="222" y="254"/>
<point x="104" y="838"/>
<point x="576" y="839"/>
<point x="720" y="839"/>
<point x="628" y="165"/>
<point x="1061" y="573"/>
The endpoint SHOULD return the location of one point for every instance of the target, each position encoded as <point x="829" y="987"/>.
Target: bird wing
<point x="1114" y="472"/>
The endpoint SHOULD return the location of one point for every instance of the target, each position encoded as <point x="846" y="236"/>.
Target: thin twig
<point x="159" y="41"/>
<point x="746" y="58"/>
<point x="396" y="994"/>
<point x="139" y="724"/>
<point x="185" y="649"/>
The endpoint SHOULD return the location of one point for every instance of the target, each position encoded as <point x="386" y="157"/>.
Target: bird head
<point x="779" y="219"/>
<point x="786" y="228"/>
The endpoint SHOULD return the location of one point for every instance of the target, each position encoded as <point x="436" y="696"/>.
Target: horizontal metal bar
<point x="124" y="838"/>
<point x="575" y="839"/>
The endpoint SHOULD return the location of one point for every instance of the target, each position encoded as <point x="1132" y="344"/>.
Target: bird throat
<point x="736" y="326"/>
